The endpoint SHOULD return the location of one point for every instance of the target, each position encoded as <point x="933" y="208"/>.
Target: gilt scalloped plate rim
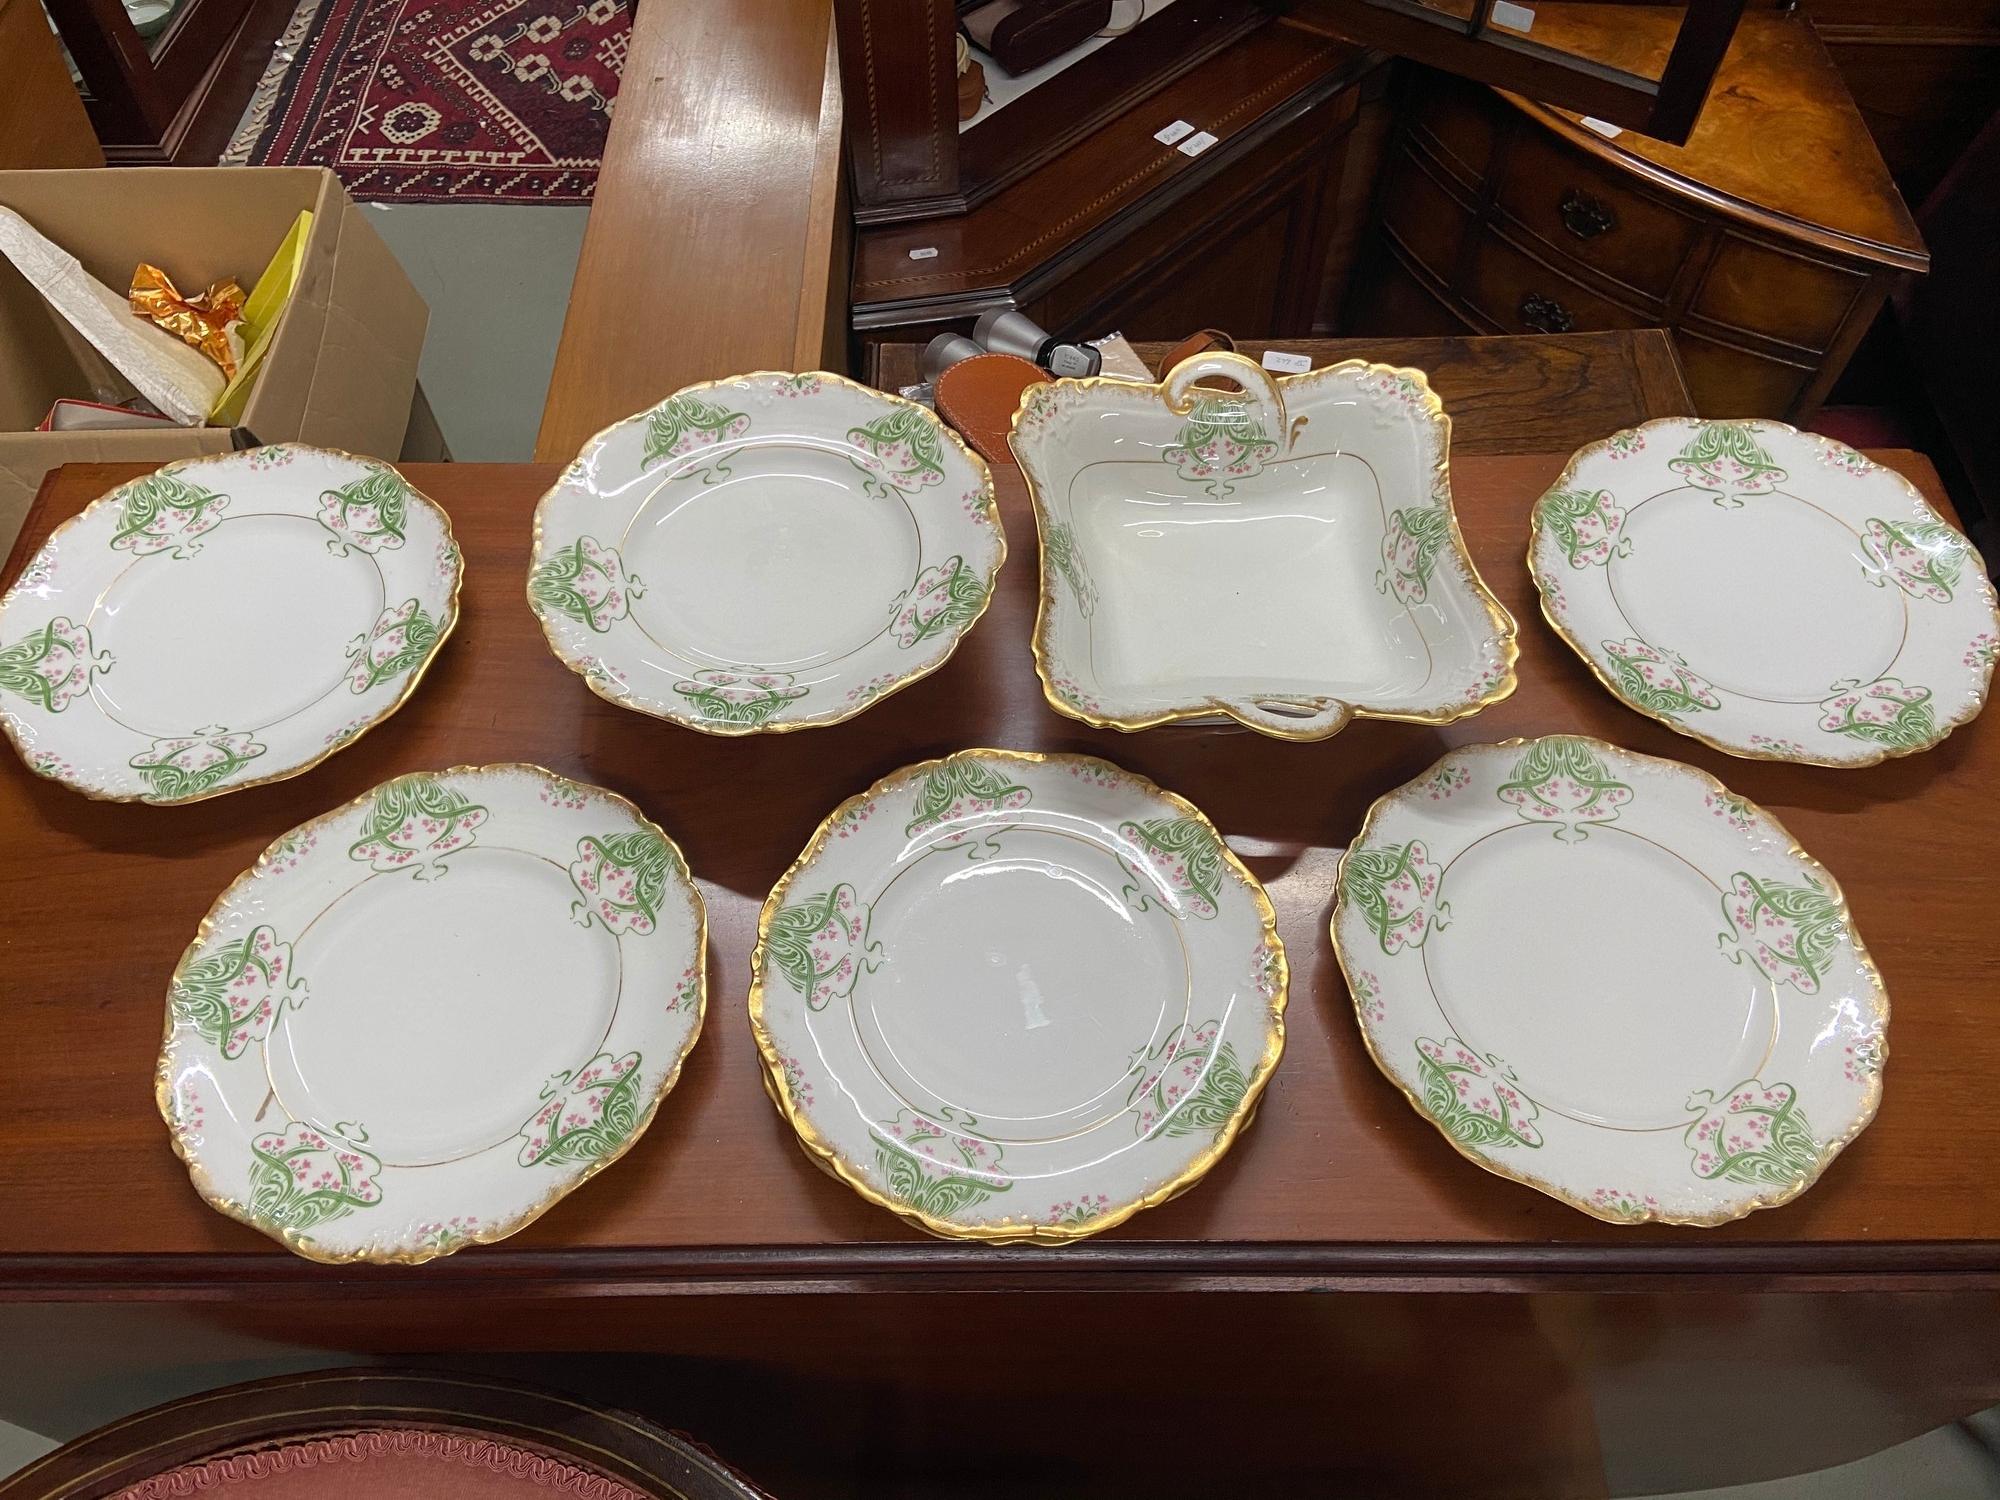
<point x="1602" y="447"/>
<point x="163" y="1079"/>
<point x="1215" y="711"/>
<point x="1864" y="1117"/>
<point x="777" y="723"/>
<point x="827" y="1156"/>
<point x="448" y="622"/>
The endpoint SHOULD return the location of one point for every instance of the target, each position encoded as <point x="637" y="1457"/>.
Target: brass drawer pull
<point x="1586" y="217"/>
<point x="1545" y="314"/>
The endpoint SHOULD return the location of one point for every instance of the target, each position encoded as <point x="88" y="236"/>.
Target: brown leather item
<point x="978" y="396"/>
<point x="1193" y="344"/>
<point x="1024" y="34"/>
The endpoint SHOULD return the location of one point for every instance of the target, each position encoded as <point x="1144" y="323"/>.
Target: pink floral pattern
<point x="944" y="600"/>
<point x="52" y="666"/>
<point x="1887" y="712"/>
<point x="1657" y="681"/>
<point x="1476" y="1101"/>
<point x="821" y="945"/>
<point x="1395" y="889"/>
<point x="747" y="698"/>
<point x="1586" y="525"/>
<point x="1562" y="781"/>
<point x="587" y="582"/>
<point x="301" y="1177"/>
<point x="399" y="642"/>
<point x="188" y="766"/>
<point x="1791" y="932"/>
<point x="1754" y="1132"/>
<point x="232" y="995"/>
<point x="584" y="1116"/>
<point x="415" y="823"/>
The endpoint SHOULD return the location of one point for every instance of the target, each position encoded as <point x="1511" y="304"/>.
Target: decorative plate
<point x="224" y="622"/>
<point x="1608" y="977"/>
<point x="1286" y="558"/>
<point x="1017" y="997"/>
<point x="768" y="552"/>
<point x="424" y="1017"/>
<point x="1769" y="592"/>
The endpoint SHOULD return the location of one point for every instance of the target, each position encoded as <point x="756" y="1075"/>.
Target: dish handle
<point x="1289" y="718"/>
<point x="1178" y="387"/>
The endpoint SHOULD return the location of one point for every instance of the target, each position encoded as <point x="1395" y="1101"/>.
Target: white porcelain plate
<point x="224" y="622"/>
<point x="1017" y="997"/>
<point x="1286" y="558"/>
<point x="768" y="552"/>
<point x="1769" y="592"/>
<point x="424" y="1017"/>
<point x="1607" y="977"/>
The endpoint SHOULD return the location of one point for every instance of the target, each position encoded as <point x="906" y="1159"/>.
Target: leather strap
<point x="1193" y="344"/>
<point x="978" y="396"/>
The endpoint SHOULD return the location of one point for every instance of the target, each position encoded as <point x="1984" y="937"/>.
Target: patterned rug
<point x="443" y="101"/>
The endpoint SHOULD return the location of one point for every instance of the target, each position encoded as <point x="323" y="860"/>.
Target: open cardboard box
<point x="341" y="367"/>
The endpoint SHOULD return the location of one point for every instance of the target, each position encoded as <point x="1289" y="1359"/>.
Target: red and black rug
<point x="443" y="101"/>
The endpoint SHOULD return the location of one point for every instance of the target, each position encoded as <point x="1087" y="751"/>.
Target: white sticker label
<point x="926" y="252"/>
<point x="1609" y="132"/>
<point x="1286" y="364"/>
<point x="1517" y="17"/>
<point x="1194" y="145"/>
<point x="1171" y="133"/>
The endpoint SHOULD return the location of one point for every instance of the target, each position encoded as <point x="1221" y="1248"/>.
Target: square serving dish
<point x="1285" y="557"/>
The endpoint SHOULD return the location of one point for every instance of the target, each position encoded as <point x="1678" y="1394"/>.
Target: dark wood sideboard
<point x="1767" y="244"/>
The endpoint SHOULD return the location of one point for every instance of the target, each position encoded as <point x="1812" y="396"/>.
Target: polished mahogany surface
<point x="1337" y="1179"/>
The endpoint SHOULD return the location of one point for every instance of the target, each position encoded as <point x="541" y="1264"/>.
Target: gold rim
<point x="204" y="1182"/>
<point x="1740" y="752"/>
<point x="825" y="1155"/>
<point x="1502" y="622"/>
<point x="733" y="731"/>
<point x="1879" y="1013"/>
<point x="448" y="624"/>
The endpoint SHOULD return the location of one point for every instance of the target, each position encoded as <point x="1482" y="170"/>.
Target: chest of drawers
<point x="1766" y="244"/>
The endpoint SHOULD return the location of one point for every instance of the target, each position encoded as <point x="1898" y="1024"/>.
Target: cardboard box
<point x="342" y="366"/>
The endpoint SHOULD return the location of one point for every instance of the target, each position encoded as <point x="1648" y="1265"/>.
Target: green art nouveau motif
<point x="1754" y="1132"/>
<point x="1393" y="889"/>
<point x="1476" y="1100"/>
<point x="163" y="513"/>
<point x="1657" y="681"/>
<point x="737" y="697"/>
<point x="415" y="823"/>
<point x="962" y="789"/>
<point x="1059" y="543"/>
<point x="621" y="880"/>
<point x="938" y="1167"/>
<point x="902" y="450"/>
<point x="584" y="1116"/>
<point x="1586" y="524"/>
<point x="945" y="599"/>
<point x="1183" y="853"/>
<point x="1188" y="1084"/>
<point x="1563" y="782"/>
<point x="1726" y="459"/>
<point x="368" y="513"/>
<point x="587" y="582"/>
<point x="1410" y="552"/>
<point x="1922" y="558"/>
<point x="1221" y="442"/>
<point x="1887" y="712"/>
<point x="233" y="995"/>
<point x="301" y="1178"/>
<point x="821" y="945"/>
<point x="686" y="423"/>
<point x="189" y="765"/>
<point x="53" y="665"/>
<point x="398" y="642"/>
<point x="1791" y="932"/>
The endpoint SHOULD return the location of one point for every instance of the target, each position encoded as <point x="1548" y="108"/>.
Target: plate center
<point x="784" y="562"/>
<point x="438" y="1009"/>
<point x="1768" y="600"/>
<point x="1592" y="970"/>
<point x="244" y="632"/>
<point x="1019" y="985"/>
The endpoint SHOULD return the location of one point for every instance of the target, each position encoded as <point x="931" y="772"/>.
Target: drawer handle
<point x="1586" y="217"/>
<point x="1545" y="314"/>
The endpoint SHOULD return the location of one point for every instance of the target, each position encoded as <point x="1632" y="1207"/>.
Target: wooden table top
<point x="1337" y="1180"/>
<point x="1509" y="393"/>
